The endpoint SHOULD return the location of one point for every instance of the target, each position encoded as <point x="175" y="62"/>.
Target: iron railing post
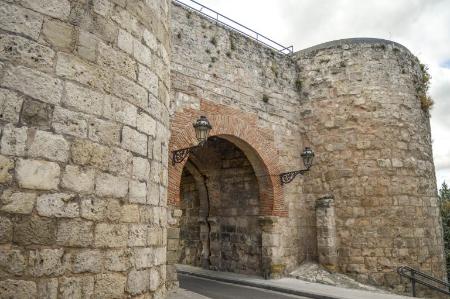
<point x="413" y="284"/>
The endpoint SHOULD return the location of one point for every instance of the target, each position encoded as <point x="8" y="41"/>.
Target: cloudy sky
<point x="423" y="26"/>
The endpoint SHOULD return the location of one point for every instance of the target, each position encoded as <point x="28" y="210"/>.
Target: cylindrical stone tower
<point x="84" y="132"/>
<point x="372" y="141"/>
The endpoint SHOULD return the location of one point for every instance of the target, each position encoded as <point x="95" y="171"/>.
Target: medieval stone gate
<point x="227" y="192"/>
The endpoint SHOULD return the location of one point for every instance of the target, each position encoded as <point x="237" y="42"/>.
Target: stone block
<point x="125" y="41"/>
<point x="120" y="111"/>
<point x="33" y="83"/>
<point x="130" y="91"/>
<point x="78" y="287"/>
<point x="42" y="144"/>
<point x="138" y="281"/>
<point x="109" y="185"/>
<point x="18" y="289"/>
<point x="129" y="213"/>
<point x="46" y="262"/>
<point x="34" y="230"/>
<point x="36" y="114"/>
<point x="111" y="159"/>
<point x="87" y="45"/>
<point x="134" y="141"/>
<point x="120" y="162"/>
<point x="155" y="237"/>
<point x="58" y="205"/>
<point x="146" y="124"/>
<point x="83" y="99"/>
<point x="20" y="20"/>
<point x="153" y="194"/>
<point x="137" y="235"/>
<point x="104" y="132"/>
<point x="69" y="122"/>
<point x="116" y="60"/>
<point x="58" y="34"/>
<point x="73" y="68"/>
<point x="109" y="286"/>
<point x="150" y="40"/>
<point x="78" y="180"/>
<point x="12" y="262"/>
<point x="117" y="260"/>
<point x="10" y="105"/>
<point x="155" y="279"/>
<point x="141" y="169"/>
<point x="6" y="165"/>
<point x="138" y="192"/>
<point x="87" y="261"/>
<point x="34" y="174"/>
<point x="88" y="153"/>
<point x="75" y="233"/>
<point x="59" y="9"/>
<point x="17" y="202"/>
<point x="13" y="140"/>
<point x="148" y="79"/>
<point x="93" y="208"/>
<point x="111" y="235"/>
<point x="113" y="210"/>
<point x="47" y="288"/>
<point x="102" y="7"/>
<point x="142" y="53"/>
<point x="6" y="230"/>
<point x="126" y="20"/>
<point x="144" y="257"/>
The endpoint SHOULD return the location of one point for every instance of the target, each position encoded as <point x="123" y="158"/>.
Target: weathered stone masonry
<point x="355" y="103"/>
<point x="94" y="94"/>
<point x="84" y="134"/>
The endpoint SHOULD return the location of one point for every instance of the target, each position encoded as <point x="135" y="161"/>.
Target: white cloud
<point x="423" y="26"/>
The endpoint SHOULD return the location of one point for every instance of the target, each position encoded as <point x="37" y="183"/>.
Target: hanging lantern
<point x="202" y="128"/>
<point x="308" y="157"/>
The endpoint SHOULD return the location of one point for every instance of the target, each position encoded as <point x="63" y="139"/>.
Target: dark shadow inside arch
<point x="220" y="200"/>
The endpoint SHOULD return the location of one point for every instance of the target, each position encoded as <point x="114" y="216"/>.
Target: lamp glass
<point x="308" y="157"/>
<point x="202" y="128"/>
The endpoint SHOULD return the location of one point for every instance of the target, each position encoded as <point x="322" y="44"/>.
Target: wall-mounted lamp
<point x="308" y="157"/>
<point x="202" y="128"/>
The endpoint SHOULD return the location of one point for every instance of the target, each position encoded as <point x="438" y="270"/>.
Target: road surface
<point x="221" y="290"/>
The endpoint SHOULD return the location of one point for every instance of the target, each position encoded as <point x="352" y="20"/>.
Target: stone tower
<point x="84" y="131"/>
<point x="363" y="116"/>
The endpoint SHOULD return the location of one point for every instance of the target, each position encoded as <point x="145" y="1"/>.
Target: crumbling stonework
<point x="84" y="134"/>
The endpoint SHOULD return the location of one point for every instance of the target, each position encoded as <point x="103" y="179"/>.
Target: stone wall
<point x="215" y="71"/>
<point x="84" y="132"/>
<point x="373" y="154"/>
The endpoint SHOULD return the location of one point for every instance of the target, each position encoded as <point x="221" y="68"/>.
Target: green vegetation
<point x="444" y="203"/>
<point x="426" y="102"/>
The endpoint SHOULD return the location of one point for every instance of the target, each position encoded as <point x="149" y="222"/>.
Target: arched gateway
<point x="226" y="190"/>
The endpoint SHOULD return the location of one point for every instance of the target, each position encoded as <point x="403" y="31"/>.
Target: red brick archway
<point x="241" y="129"/>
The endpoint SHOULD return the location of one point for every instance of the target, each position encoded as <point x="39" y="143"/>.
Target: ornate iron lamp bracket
<point x="178" y="156"/>
<point x="287" y="177"/>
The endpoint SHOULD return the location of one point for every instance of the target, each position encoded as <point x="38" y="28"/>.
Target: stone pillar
<point x="326" y="232"/>
<point x="215" y="244"/>
<point x="205" y="236"/>
<point x="83" y="152"/>
<point x="272" y="265"/>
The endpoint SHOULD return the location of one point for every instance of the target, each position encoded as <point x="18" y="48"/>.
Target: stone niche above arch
<point x="242" y="130"/>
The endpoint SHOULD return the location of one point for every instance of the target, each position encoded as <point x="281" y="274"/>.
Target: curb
<point x="259" y="285"/>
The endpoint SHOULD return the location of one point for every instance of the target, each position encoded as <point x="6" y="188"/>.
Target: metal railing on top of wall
<point x="235" y="26"/>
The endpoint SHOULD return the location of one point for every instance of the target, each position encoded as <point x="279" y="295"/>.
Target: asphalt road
<point x="221" y="290"/>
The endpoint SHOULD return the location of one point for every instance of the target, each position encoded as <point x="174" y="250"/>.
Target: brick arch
<point x="241" y="130"/>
